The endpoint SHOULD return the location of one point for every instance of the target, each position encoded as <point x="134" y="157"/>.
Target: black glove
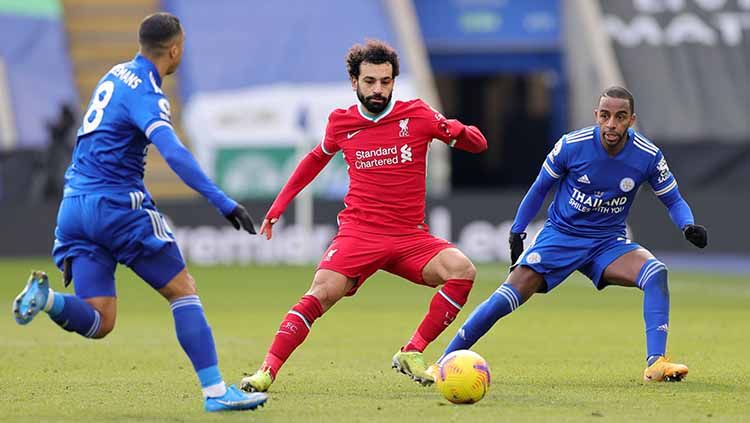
<point x="697" y="235"/>
<point x="239" y="217"/>
<point x="516" y="245"/>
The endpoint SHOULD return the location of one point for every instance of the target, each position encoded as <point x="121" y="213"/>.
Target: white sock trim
<point x="215" y="391"/>
<point x="50" y="300"/>
<point x="450" y="300"/>
<point x="95" y="326"/>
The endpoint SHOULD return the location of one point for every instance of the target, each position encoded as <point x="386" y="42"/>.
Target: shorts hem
<point x="542" y="289"/>
<point x="599" y="283"/>
<point x="426" y="262"/>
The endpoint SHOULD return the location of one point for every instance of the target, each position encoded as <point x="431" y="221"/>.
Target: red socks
<point x="444" y="307"/>
<point x="292" y="332"/>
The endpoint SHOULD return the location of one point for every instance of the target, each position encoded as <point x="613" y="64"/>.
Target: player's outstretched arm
<point x="464" y="137"/>
<point x="307" y="169"/>
<point x="682" y="216"/>
<point x="665" y="187"/>
<point x="528" y="208"/>
<point x="181" y="161"/>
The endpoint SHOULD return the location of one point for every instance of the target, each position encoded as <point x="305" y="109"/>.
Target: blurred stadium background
<point x="259" y="78"/>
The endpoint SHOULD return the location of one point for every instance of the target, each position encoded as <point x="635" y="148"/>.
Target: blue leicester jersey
<point x="596" y="190"/>
<point x="126" y="107"/>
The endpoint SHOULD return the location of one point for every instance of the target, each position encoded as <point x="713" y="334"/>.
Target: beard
<point x="620" y="137"/>
<point x="374" y="107"/>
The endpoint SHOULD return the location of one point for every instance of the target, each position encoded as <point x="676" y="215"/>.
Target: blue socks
<point x="197" y="341"/>
<point x="74" y="315"/>
<point x="501" y="302"/>
<point x="652" y="279"/>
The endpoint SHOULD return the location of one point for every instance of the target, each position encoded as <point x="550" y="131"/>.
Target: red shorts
<point x="357" y="255"/>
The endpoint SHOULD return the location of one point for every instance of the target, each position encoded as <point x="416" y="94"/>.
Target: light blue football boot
<point x="235" y="399"/>
<point x="32" y="299"/>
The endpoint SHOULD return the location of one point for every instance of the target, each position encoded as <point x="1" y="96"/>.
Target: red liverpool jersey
<point x="387" y="164"/>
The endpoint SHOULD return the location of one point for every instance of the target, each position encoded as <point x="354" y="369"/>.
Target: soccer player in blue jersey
<point x="599" y="170"/>
<point x="108" y="217"/>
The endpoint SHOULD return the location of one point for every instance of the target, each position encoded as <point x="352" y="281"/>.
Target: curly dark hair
<point x="375" y="52"/>
<point x="620" y="92"/>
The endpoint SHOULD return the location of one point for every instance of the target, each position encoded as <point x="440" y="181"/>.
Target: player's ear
<point x="354" y="84"/>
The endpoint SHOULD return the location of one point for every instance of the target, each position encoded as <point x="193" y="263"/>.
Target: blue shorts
<point x="555" y="255"/>
<point x="114" y="228"/>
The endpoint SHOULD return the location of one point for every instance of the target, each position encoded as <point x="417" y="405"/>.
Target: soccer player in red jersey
<point x="385" y="144"/>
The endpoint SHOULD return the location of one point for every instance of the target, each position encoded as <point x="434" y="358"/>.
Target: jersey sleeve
<point x="150" y="110"/>
<point x="661" y="179"/>
<point x="556" y="162"/>
<point x="434" y="118"/>
<point x="452" y="132"/>
<point x="329" y="145"/>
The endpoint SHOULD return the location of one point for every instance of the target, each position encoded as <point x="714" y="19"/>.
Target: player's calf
<point x="652" y="279"/>
<point x="70" y="312"/>
<point x="443" y="309"/>
<point x="293" y="330"/>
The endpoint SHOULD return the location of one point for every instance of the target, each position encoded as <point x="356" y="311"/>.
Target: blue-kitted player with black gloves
<point x="108" y="217"/>
<point x="599" y="170"/>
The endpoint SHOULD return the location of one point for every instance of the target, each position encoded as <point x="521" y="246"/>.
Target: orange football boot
<point x="664" y="371"/>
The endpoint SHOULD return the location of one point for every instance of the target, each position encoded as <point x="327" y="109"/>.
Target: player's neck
<point x="613" y="150"/>
<point x="371" y="115"/>
<point x="161" y="65"/>
<point x="366" y="112"/>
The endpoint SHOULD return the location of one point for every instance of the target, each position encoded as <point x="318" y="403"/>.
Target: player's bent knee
<point x="180" y="286"/>
<point x="526" y="281"/>
<point x="461" y="268"/>
<point x="329" y="289"/>
<point x="326" y="293"/>
<point x="654" y="275"/>
<point x="108" y="317"/>
<point x="106" y="307"/>
<point x="108" y="325"/>
<point x="467" y="270"/>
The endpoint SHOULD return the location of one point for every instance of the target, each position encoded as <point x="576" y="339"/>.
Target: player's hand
<point x="267" y="227"/>
<point x="516" y="245"/>
<point x="240" y="218"/>
<point x="697" y="235"/>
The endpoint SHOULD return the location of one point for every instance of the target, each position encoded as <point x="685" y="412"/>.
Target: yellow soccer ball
<point x="463" y="377"/>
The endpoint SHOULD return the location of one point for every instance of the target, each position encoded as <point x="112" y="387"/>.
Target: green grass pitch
<point x="573" y="355"/>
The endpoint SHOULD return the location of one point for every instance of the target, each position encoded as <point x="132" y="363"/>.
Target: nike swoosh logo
<point x="351" y="134"/>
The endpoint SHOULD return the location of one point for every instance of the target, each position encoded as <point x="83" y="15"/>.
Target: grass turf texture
<point x="573" y="355"/>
